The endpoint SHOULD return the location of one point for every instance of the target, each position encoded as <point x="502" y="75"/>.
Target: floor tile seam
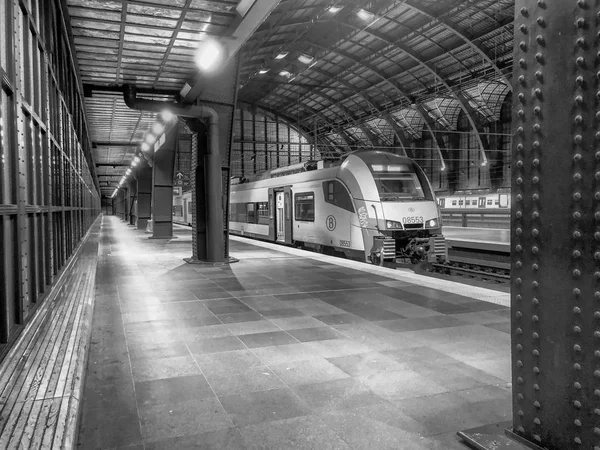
<point x="137" y="408"/>
<point x="312" y="412"/>
<point x="233" y="425"/>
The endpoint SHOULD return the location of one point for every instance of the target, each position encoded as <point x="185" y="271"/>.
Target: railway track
<point x="476" y="271"/>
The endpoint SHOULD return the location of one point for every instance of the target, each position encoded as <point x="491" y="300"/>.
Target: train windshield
<point x="398" y="182"/>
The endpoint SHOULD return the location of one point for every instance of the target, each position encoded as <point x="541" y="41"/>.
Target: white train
<point x="372" y="206"/>
<point x="475" y="201"/>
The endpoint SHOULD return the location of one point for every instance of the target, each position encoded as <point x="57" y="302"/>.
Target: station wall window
<point x="304" y="206"/>
<point x="336" y="194"/>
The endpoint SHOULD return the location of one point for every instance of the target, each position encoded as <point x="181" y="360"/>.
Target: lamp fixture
<point x="157" y="128"/>
<point x="209" y="54"/>
<point x="150" y="138"/>
<point x="263" y="71"/>
<point x="145" y="146"/>
<point x="285" y="73"/>
<point x="281" y="55"/>
<point x="365" y="15"/>
<point x="305" y="59"/>
<point x="167" y="115"/>
<point x="334" y="9"/>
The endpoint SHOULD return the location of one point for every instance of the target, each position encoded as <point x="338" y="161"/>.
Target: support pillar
<point x="555" y="238"/>
<point x="162" y="187"/>
<point x="132" y="201"/>
<point x="143" y="175"/>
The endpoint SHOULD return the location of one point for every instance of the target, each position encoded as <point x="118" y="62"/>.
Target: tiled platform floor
<point x="282" y="352"/>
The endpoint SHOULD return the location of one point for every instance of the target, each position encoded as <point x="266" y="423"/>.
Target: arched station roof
<point x="355" y="72"/>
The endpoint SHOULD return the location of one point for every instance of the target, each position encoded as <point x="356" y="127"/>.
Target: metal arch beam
<point x="356" y="122"/>
<point x="333" y="127"/>
<point x="363" y="64"/>
<point x="315" y="112"/>
<point x="421" y="62"/>
<point x="357" y="92"/>
<point x="343" y="108"/>
<point x="439" y="145"/>
<point x="454" y="29"/>
<point x="382" y="114"/>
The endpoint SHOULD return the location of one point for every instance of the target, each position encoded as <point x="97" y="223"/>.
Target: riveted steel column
<point x="162" y="187"/>
<point x="555" y="301"/>
<point x="143" y="175"/>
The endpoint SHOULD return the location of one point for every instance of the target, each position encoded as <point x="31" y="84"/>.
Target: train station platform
<point x="284" y="349"/>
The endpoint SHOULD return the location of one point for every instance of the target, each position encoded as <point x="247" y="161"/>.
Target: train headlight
<point x="432" y="223"/>
<point x="390" y="224"/>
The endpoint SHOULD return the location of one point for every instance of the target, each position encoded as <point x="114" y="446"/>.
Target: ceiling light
<point x="128" y="171"/>
<point x="305" y="59"/>
<point x="208" y="55"/>
<point x="281" y="55"/>
<point x="145" y="146"/>
<point x="365" y="15"/>
<point x="134" y="163"/>
<point x="334" y="9"/>
<point x="263" y="71"/>
<point x="150" y="138"/>
<point x="136" y="159"/>
<point x="167" y="115"/>
<point x="285" y="73"/>
<point x="157" y="128"/>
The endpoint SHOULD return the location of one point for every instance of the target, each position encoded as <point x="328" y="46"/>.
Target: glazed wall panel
<point x="48" y="190"/>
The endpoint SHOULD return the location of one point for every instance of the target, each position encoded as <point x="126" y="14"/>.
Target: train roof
<point x="368" y="156"/>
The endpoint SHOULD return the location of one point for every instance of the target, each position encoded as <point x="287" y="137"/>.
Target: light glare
<point x="157" y="128"/>
<point x="208" y="54"/>
<point x="365" y="15"/>
<point x="167" y="115"/>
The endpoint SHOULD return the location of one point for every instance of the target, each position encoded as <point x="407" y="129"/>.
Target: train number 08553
<point x="412" y="219"/>
<point x="344" y="243"/>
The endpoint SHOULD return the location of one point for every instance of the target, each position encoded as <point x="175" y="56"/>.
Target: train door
<point x="272" y="228"/>
<point x="481" y="202"/>
<point x="279" y="216"/>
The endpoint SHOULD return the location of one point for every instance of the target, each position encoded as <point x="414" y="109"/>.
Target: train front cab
<point x="396" y="224"/>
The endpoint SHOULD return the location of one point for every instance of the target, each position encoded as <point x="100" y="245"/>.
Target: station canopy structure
<point x="346" y="74"/>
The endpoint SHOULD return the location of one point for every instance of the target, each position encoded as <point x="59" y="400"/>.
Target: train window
<point x="250" y="213"/>
<point x="453" y="202"/>
<point x="460" y="202"/>
<point x="398" y="186"/>
<point x="336" y="194"/>
<point x="262" y="209"/>
<point x="304" y="206"/>
<point x="490" y="202"/>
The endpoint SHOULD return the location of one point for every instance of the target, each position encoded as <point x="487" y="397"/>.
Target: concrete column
<point x="162" y="187"/>
<point x="143" y="175"/>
